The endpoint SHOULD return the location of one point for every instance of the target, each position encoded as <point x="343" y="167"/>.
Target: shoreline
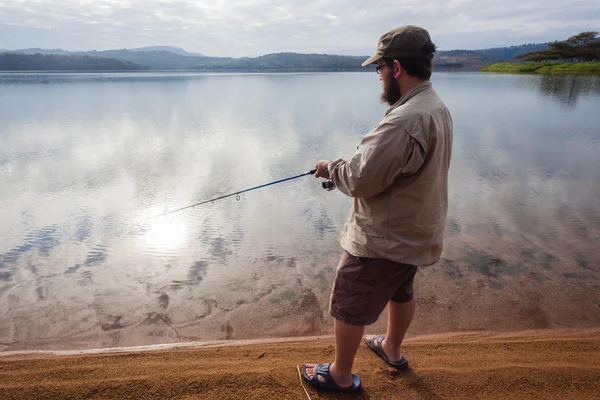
<point x="544" y="68"/>
<point x="544" y="364"/>
<point x="163" y="346"/>
<point x="512" y="295"/>
<point x="450" y="335"/>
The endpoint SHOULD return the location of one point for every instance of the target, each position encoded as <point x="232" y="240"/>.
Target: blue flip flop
<point x="328" y="383"/>
<point x="375" y="344"/>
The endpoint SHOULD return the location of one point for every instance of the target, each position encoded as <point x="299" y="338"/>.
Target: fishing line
<point x="237" y="194"/>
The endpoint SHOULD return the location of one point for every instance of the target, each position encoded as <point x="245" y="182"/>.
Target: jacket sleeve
<point x="384" y="154"/>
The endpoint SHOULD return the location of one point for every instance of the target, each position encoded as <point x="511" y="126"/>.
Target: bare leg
<point x="400" y="316"/>
<point x="347" y="340"/>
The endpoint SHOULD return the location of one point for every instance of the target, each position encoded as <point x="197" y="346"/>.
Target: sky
<point x="249" y="28"/>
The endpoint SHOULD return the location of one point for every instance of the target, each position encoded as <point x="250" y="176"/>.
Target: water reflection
<point x="568" y="89"/>
<point x="165" y="233"/>
<point x="86" y="160"/>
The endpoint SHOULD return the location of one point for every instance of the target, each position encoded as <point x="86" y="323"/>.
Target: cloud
<point x="253" y="27"/>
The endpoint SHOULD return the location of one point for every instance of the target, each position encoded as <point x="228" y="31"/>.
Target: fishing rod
<point x="237" y="194"/>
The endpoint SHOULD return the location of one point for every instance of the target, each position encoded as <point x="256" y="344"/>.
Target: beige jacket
<point x="398" y="178"/>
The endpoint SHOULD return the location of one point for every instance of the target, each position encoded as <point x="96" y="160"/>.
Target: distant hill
<point x="170" y="49"/>
<point x="464" y="60"/>
<point x="508" y="53"/>
<point x="157" y="59"/>
<point x="280" y="61"/>
<point x="458" y="53"/>
<point x="176" y="58"/>
<point x="473" y="60"/>
<point x="166" y="60"/>
<point x="58" y="62"/>
<point x="153" y="59"/>
<point x="41" y="51"/>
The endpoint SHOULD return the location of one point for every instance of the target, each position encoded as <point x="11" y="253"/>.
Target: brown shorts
<point x="363" y="286"/>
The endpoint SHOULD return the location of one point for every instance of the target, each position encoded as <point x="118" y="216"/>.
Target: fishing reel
<point x="328" y="185"/>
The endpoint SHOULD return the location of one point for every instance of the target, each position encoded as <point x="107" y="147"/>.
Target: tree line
<point x="583" y="47"/>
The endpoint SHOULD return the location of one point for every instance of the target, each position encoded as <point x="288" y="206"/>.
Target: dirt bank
<point x="536" y="364"/>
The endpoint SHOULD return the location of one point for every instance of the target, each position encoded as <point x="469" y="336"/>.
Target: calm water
<point x="86" y="159"/>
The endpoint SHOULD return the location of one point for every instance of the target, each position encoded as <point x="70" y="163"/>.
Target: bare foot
<point x="342" y="381"/>
<point x="393" y="354"/>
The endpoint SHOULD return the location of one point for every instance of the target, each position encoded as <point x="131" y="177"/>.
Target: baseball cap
<point x="406" y="41"/>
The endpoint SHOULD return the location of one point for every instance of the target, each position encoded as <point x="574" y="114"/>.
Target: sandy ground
<point x="534" y="364"/>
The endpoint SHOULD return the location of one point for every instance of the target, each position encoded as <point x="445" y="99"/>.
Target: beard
<point x="391" y="90"/>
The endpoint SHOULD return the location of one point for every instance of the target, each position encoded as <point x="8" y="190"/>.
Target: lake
<point x="88" y="160"/>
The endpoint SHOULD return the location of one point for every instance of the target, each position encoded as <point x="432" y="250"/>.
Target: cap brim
<point x="372" y="60"/>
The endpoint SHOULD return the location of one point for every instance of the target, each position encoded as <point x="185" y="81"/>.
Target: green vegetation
<point x="558" y="58"/>
<point x="513" y="67"/>
<point x="544" y="67"/>
<point x="587" y="67"/>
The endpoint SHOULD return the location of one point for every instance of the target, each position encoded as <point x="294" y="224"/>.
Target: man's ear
<point x="398" y="71"/>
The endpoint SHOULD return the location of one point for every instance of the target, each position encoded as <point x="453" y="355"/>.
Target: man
<point x="398" y="178"/>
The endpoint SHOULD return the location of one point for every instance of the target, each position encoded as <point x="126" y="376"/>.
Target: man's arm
<point x="383" y="155"/>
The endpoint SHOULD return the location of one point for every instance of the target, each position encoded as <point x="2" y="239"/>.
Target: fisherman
<point x="398" y="179"/>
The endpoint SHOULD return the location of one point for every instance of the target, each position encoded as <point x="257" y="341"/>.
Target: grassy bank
<point x="545" y="68"/>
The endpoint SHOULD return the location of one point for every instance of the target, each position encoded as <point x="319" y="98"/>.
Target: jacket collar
<point x="410" y="94"/>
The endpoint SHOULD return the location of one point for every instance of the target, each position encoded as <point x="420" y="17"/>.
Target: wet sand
<point x="533" y="364"/>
